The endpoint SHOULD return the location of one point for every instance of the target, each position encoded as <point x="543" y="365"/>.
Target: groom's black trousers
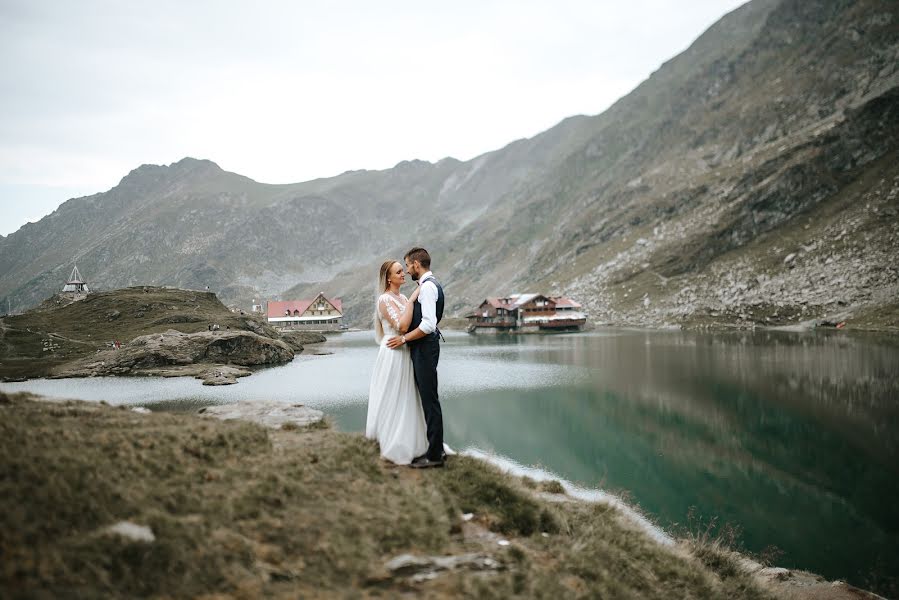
<point x="425" y="353"/>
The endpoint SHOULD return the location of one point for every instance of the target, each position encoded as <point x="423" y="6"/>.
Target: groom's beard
<point x="414" y="276"/>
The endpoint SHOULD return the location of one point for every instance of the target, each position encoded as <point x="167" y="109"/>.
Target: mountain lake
<point x="791" y="438"/>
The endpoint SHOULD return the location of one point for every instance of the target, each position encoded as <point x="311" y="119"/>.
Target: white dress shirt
<point x="427" y="297"/>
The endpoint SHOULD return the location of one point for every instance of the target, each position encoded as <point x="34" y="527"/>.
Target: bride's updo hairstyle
<point x="380" y="289"/>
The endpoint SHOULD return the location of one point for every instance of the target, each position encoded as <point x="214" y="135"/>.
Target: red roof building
<point x="527" y="313"/>
<point x="565" y="302"/>
<point x="320" y="313"/>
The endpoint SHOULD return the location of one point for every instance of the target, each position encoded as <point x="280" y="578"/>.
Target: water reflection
<point x="792" y="437"/>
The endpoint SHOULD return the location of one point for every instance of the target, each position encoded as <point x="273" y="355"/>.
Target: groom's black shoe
<point x="423" y="462"/>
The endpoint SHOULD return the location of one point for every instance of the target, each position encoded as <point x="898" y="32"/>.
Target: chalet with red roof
<point x="527" y="313"/>
<point x="318" y="314"/>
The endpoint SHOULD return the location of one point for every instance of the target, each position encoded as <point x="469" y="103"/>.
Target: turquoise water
<point x="793" y="438"/>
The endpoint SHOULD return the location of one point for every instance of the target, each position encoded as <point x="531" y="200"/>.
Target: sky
<point x="288" y="91"/>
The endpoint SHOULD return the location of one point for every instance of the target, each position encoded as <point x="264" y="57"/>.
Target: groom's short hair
<point x="419" y="254"/>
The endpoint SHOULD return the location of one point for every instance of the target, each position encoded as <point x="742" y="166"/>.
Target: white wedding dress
<point x="395" y="417"/>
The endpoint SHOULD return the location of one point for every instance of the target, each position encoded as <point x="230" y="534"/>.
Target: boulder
<point x="423" y="568"/>
<point x="129" y="531"/>
<point x="174" y="348"/>
<point x="266" y="413"/>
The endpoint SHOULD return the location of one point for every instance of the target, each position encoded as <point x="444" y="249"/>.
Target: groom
<point x="424" y="347"/>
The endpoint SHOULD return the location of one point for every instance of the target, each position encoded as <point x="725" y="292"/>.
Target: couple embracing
<point x="403" y="406"/>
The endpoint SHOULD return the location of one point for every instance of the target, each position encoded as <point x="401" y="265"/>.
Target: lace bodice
<point x="393" y="307"/>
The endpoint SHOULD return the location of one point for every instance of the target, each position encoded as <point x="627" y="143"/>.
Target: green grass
<point x="502" y="503"/>
<point x="239" y="511"/>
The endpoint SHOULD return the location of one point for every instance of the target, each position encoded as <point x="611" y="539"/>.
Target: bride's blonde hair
<point x="385" y="267"/>
<point x="380" y="288"/>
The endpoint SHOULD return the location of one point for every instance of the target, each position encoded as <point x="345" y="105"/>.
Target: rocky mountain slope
<point x="751" y="179"/>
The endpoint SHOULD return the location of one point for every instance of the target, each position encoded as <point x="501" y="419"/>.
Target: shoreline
<point x="173" y="361"/>
<point x="523" y="515"/>
<point x="215" y="374"/>
<point x="704" y="327"/>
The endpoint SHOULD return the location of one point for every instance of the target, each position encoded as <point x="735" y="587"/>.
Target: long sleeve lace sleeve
<point x="388" y="310"/>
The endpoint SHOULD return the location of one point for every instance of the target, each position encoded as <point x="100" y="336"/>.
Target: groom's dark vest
<point x="416" y="312"/>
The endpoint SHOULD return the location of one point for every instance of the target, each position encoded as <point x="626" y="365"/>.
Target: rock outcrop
<point x="141" y="330"/>
<point x="162" y="353"/>
<point x="267" y="413"/>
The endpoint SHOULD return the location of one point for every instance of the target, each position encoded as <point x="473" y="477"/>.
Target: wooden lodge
<point x="318" y="314"/>
<point x="527" y="313"/>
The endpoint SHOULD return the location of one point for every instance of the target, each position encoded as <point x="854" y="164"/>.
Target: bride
<point x="395" y="417"/>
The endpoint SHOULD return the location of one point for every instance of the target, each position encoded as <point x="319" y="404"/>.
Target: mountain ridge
<point x="781" y="109"/>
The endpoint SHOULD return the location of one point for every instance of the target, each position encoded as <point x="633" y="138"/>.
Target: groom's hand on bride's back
<point x="396" y="341"/>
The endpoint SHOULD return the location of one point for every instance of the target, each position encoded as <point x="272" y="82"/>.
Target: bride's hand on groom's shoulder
<point x="414" y="295"/>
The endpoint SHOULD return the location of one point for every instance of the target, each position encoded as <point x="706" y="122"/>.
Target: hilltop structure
<point x="76" y="288"/>
<point x="527" y="313"/>
<point x="318" y="314"/>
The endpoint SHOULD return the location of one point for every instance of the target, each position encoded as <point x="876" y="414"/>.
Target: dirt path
<point x="8" y="347"/>
<point x="73" y="340"/>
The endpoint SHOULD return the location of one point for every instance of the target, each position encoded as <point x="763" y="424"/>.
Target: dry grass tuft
<point x="552" y="487"/>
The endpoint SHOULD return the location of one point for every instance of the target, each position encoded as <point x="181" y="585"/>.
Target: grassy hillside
<point x="33" y="343"/>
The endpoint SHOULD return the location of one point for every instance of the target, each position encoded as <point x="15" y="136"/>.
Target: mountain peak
<point x="412" y="164"/>
<point x="190" y="162"/>
<point x="150" y="173"/>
